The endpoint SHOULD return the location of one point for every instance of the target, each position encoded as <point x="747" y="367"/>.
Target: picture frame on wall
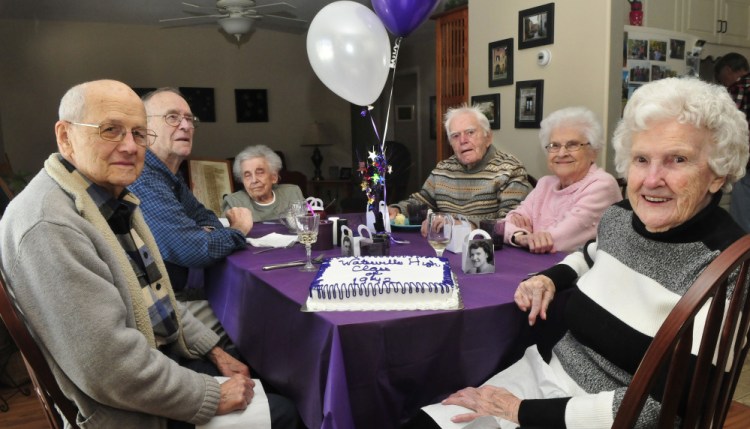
<point x="201" y="102"/>
<point x="536" y="26"/>
<point x="490" y="105"/>
<point x="500" y="63"/>
<point x="529" y="103"/>
<point x="405" y="112"/>
<point x="251" y="105"/>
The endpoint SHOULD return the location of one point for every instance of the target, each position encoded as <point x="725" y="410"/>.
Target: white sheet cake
<point x="384" y="283"/>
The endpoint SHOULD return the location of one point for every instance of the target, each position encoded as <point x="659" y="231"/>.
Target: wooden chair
<point x="710" y="392"/>
<point x="45" y="386"/>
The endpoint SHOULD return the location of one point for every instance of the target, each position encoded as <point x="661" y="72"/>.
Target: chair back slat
<point x="725" y="336"/>
<point x="45" y="385"/>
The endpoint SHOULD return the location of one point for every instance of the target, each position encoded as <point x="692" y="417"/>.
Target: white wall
<point x="585" y="68"/>
<point x="40" y="60"/>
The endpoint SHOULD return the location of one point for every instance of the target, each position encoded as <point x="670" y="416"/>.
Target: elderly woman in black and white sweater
<point x="680" y="143"/>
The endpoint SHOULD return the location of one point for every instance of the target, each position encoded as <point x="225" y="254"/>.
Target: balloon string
<point x="394" y="60"/>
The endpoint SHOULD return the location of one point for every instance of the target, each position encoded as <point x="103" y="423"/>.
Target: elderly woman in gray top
<point x="258" y="169"/>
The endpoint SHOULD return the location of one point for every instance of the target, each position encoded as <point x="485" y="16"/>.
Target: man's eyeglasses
<point x="569" y="147"/>
<point x="469" y="132"/>
<point x="175" y="119"/>
<point x="116" y="133"/>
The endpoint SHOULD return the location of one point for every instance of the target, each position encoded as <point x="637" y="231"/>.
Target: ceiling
<point x="149" y="12"/>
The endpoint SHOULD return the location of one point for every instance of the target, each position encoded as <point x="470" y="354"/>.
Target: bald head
<point x="86" y="109"/>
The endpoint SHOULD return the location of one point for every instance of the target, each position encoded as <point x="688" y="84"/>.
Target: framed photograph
<point x="490" y="105"/>
<point x="657" y="50"/>
<point x="677" y="49"/>
<point x="479" y="257"/>
<point x="637" y="49"/>
<point x="433" y="118"/>
<point x="345" y="173"/>
<point x="405" y="113"/>
<point x="536" y="26"/>
<point x="201" y="102"/>
<point x="210" y="180"/>
<point x="500" y="62"/>
<point x="529" y="103"/>
<point x="251" y="104"/>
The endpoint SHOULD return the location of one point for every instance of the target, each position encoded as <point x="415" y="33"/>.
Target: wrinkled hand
<point x="236" y="394"/>
<point x="536" y="242"/>
<point x="534" y="295"/>
<point x="240" y="218"/>
<point x="485" y="401"/>
<point x="226" y="363"/>
<point x="393" y="212"/>
<point x="520" y="221"/>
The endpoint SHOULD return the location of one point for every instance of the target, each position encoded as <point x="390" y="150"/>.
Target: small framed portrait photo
<point x="536" y="26"/>
<point x="500" y="63"/>
<point x="490" y="105"/>
<point x="479" y="257"/>
<point x="529" y="103"/>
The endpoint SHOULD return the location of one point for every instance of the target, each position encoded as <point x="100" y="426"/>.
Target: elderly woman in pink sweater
<point x="563" y="210"/>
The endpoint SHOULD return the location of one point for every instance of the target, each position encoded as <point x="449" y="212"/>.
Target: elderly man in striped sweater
<point x="477" y="181"/>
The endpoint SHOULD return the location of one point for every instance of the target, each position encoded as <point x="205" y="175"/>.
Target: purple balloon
<point x="401" y="17"/>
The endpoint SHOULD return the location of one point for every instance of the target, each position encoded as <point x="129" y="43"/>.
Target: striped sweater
<point x="619" y="303"/>
<point x="489" y="190"/>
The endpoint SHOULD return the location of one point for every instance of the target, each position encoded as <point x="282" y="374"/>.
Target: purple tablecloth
<point x="366" y="369"/>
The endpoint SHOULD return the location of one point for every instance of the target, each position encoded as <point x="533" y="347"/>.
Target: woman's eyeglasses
<point x="569" y="147"/>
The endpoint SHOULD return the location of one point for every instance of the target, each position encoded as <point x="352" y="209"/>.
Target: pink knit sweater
<point x="570" y="215"/>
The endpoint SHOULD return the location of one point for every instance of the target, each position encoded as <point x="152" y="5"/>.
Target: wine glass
<point x="288" y="216"/>
<point x="439" y="229"/>
<point x="307" y="233"/>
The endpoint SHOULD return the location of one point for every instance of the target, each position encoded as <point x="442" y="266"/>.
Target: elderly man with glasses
<point x="189" y="235"/>
<point x="478" y="181"/>
<point x="85" y="272"/>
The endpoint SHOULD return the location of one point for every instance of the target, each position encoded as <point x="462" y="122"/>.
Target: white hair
<point x="474" y="110"/>
<point x="73" y="103"/>
<point x="579" y="118"/>
<point x="257" y="151"/>
<point x="688" y="101"/>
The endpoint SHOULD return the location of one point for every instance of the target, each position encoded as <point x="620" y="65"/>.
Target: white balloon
<point x="349" y="50"/>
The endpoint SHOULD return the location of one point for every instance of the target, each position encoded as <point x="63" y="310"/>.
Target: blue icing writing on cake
<point x="384" y="283"/>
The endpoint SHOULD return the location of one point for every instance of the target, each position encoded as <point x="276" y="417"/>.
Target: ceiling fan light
<point x="236" y="26"/>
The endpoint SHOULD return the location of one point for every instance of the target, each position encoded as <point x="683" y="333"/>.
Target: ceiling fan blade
<point x="277" y="4"/>
<point x="193" y="17"/>
<point x="197" y="6"/>
<point x="300" y="21"/>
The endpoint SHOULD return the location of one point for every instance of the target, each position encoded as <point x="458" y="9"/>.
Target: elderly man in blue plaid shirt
<point x="187" y="233"/>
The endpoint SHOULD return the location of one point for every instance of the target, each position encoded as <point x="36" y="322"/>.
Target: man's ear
<point x="62" y="134"/>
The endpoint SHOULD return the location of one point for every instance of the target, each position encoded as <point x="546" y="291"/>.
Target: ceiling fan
<point x="236" y="17"/>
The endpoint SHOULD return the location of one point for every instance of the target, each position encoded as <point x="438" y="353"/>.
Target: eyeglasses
<point x="469" y="133"/>
<point x="116" y="133"/>
<point x="175" y="119"/>
<point x="569" y="147"/>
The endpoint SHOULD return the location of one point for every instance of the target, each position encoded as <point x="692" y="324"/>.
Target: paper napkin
<point x="273" y="239"/>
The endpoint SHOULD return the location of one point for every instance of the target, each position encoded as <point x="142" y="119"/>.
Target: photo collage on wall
<point x="648" y="59"/>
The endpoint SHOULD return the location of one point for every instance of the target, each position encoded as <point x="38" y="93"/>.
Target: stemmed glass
<point x="439" y="229"/>
<point x="288" y="218"/>
<point x="307" y="233"/>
